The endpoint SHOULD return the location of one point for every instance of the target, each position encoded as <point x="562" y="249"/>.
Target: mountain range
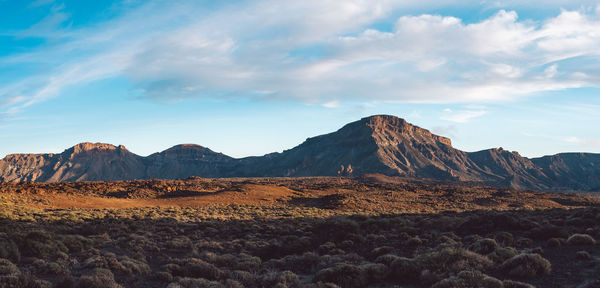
<point x="380" y="144"/>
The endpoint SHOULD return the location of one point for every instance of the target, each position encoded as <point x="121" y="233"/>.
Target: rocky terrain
<point x="371" y="231"/>
<point x="380" y="144"/>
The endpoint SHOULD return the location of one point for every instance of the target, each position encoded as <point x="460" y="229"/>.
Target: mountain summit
<point x="382" y="144"/>
<point x="377" y="144"/>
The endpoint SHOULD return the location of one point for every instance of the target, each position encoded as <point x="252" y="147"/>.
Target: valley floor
<point x="372" y="231"/>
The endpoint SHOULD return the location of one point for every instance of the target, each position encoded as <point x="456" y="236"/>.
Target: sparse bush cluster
<point x="262" y="246"/>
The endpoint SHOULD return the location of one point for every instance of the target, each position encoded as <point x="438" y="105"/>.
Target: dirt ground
<point x="371" y="194"/>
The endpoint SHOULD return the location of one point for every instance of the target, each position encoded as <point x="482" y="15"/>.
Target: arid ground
<point x="372" y="231"/>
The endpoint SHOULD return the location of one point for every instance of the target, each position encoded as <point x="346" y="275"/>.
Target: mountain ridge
<point x="382" y="144"/>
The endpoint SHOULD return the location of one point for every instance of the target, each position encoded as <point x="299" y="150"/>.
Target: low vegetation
<point x="303" y="241"/>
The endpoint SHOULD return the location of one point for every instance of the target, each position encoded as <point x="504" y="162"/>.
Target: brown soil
<point x="374" y="193"/>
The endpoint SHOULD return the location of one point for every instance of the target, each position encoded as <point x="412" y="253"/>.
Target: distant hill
<point x="381" y="144"/>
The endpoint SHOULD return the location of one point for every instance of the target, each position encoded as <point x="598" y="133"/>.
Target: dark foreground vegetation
<point x="295" y="244"/>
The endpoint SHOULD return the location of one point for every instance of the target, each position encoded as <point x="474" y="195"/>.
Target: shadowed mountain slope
<point x="381" y="144"/>
<point x="575" y="171"/>
<point x="182" y="161"/>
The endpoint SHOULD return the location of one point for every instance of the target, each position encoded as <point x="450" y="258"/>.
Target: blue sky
<point x="252" y="77"/>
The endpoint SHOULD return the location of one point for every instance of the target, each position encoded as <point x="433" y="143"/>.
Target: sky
<point x="253" y="77"/>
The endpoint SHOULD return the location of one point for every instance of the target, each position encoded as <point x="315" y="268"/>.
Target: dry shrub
<point x="280" y="279"/>
<point x="453" y="260"/>
<point x="347" y="244"/>
<point x="555" y="242"/>
<point x="405" y="270"/>
<point x="229" y="283"/>
<point x="547" y="232"/>
<point x="516" y="284"/>
<point x="526" y="266"/>
<point x="247" y="262"/>
<point x="99" y="278"/>
<point x="194" y="283"/>
<point x="9" y="250"/>
<point x="469" y="279"/>
<point x="225" y="260"/>
<point x="52" y="268"/>
<point x="40" y="244"/>
<point x="438" y="264"/>
<point x="179" y="242"/>
<point x="583" y="255"/>
<point x="414" y="241"/>
<point x="336" y="229"/>
<point x="305" y="263"/>
<point x="377" y="224"/>
<point x="327" y="248"/>
<point x="501" y="254"/>
<point x="246" y="278"/>
<point x="378" y="239"/>
<point x="446" y="241"/>
<point x="523" y="242"/>
<point x="484" y="246"/>
<point x="344" y="275"/>
<point x="504" y="238"/>
<point x="193" y="267"/>
<point x="381" y="251"/>
<point x="386" y="259"/>
<point x="332" y="260"/>
<point x="581" y="240"/>
<point x="210" y="257"/>
<point x="375" y="272"/>
<point x="23" y="281"/>
<point x="134" y="267"/>
<point x="8" y="268"/>
<point x="122" y="264"/>
<point x="283" y="246"/>
<point x="76" y="243"/>
<point x="10" y="281"/>
<point x="293" y="244"/>
<point x="164" y="276"/>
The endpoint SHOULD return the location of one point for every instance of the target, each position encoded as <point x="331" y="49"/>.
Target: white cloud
<point x="331" y="104"/>
<point x="251" y="50"/>
<point x="572" y="139"/>
<point x="581" y="141"/>
<point x="551" y="71"/>
<point x="463" y="116"/>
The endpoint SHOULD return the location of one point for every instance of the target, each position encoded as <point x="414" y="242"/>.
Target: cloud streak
<point x="315" y="52"/>
<point x="463" y="116"/>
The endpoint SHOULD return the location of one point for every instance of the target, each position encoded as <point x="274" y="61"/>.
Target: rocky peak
<point x="189" y="152"/>
<point x="386" y="126"/>
<point x="87" y="147"/>
<point x="186" y="147"/>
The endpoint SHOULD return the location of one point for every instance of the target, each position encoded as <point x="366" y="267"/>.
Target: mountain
<point x="571" y="171"/>
<point x="182" y="161"/>
<point x="380" y="144"/>
<point x="82" y="162"/>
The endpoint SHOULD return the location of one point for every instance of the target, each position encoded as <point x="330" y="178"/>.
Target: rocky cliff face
<point x="378" y="144"/>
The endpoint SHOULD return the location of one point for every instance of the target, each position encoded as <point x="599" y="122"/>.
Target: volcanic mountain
<point x="381" y="144"/>
<point x="82" y="162"/>
<point x="182" y="161"/>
